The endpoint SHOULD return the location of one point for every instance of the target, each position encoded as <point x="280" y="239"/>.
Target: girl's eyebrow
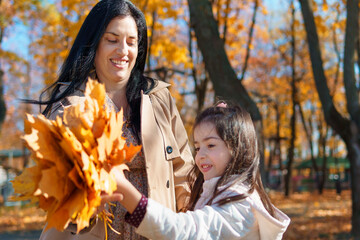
<point x="208" y="138"/>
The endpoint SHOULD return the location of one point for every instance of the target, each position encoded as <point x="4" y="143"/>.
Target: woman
<point x="111" y="47"/>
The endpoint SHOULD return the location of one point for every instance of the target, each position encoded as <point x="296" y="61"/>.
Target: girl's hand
<point x="121" y="181"/>
<point x="105" y="198"/>
<point x="126" y="193"/>
<point x="120" y="178"/>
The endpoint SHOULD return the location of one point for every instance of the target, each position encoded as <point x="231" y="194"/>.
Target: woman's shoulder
<point x="77" y="97"/>
<point x="74" y="97"/>
<point x="159" y="86"/>
<point x="160" y="94"/>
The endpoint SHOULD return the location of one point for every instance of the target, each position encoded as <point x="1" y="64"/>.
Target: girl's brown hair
<point x="234" y="126"/>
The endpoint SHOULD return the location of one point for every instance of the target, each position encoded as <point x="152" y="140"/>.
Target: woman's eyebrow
<point x="117" y="35"/>
<point x="113" y="33"/>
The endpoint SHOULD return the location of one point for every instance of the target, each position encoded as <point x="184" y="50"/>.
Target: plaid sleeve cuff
<point x="138" y="215"/>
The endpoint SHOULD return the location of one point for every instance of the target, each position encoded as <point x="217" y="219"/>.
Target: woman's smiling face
<point x="117" y="52"/>
<point x="212" y="155"/>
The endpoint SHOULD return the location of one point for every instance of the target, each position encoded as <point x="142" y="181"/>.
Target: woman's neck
<point x="118" y="97"/>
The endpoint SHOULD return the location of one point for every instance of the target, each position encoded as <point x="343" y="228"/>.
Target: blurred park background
<point x="293" y="64"/>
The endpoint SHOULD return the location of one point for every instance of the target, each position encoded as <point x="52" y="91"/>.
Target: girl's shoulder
<point x="234" y="186"/>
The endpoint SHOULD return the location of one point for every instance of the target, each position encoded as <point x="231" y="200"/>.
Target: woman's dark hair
<point x="79" y="64"/>
<point x="234" y="126"/>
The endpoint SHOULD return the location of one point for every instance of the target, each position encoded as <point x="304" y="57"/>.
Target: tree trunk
<point x="278" y="139"/>
<point x="154" y="19"/>
<point x="201" y="83"/>
<point x="222" y="75"/>
<point x="294" y="104"/>
<point x="353" y="147"/>
<point x="248" y="48"/>
<point x="2" y="101"/>
<point x="290" y="152"/>
<point x="322" y="144"/>
<point x="340" y="124"/>
<point x="309" y="139"/>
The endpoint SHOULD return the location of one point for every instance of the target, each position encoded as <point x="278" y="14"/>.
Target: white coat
<point x="245" y="219"/>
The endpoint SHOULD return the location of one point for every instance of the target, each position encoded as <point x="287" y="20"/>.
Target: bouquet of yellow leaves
<point x="74" y="155"/>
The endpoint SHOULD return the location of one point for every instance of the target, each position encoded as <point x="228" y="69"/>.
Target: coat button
<point x="167" y="184"/>
<point x="169" y="149"/>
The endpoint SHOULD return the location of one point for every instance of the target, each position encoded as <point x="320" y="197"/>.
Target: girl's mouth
<point x="206" y="167"/>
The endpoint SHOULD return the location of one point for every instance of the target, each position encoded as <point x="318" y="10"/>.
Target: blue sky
<point x="17" y="37"/>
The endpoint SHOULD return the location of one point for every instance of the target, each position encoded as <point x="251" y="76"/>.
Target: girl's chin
<point x="207" y="177"/>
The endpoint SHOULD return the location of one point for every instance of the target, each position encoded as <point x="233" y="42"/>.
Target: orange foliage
<point x="74" y="155"/>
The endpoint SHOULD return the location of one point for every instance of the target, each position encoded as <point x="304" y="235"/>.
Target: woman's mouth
<point x="119" y="63"/>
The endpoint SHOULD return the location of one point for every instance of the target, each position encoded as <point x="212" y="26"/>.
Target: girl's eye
<point x="211" y="145"/>
<point x="197" y="149"/>
<point x="112" y="40"/>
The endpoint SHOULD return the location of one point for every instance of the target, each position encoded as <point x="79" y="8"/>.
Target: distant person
<point x="111" y="47"/>
<point x="227" y="201"/>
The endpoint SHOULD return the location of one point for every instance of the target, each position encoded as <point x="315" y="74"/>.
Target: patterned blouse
<point x="137" y="176"/>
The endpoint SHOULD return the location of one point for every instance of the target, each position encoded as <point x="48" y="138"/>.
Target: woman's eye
<point x="197" y="149"/>
<point x="111" y="40"/>
<point x="211" y="145"/>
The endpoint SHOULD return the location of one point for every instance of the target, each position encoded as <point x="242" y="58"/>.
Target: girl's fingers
<point x="115" y="197"/>
<point x="111" y="198"/>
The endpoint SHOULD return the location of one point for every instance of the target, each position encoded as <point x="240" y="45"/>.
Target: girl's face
<point x="212" y="155"/>
<point x="117" y="51"/>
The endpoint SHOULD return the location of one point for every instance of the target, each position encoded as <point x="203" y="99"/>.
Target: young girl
<point x="227" y="200"/>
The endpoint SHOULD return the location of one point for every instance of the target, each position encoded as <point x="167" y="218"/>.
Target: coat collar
<point x="158" y="86"/>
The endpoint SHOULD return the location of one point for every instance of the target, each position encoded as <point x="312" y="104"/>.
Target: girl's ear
<point x="231" y="151"/>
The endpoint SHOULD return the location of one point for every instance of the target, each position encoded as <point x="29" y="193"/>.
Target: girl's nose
<point x="200" y="154"/>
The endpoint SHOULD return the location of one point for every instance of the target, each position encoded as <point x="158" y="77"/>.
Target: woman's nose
<point x="122" y="48"/>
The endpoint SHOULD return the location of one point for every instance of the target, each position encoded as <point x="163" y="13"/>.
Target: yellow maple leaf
<point x="74" y="156"/>
<point x="26" y="183"/>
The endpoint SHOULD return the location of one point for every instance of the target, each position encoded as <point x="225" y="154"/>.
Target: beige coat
<point x="166" y="150"/>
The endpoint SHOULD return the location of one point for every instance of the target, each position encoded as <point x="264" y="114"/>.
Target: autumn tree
<point x="56" y="31"/>
<point x="223" y="77"/>
<point x="9" y="12"/>
<point x="348" y="127"/>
